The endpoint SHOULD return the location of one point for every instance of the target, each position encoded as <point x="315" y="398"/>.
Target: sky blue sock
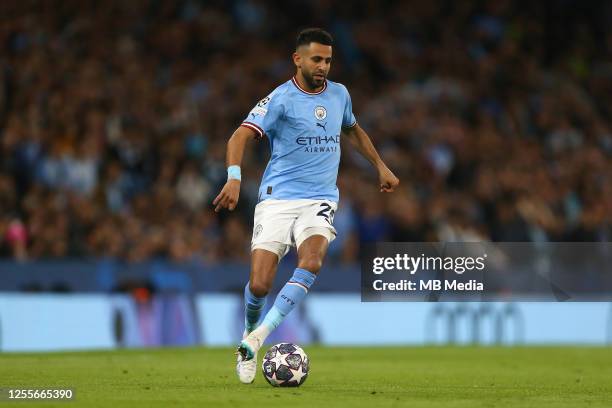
<point x="253" y="306"/>
<point x="289" y="297"/>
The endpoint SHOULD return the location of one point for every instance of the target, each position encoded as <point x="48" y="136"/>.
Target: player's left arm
<point x="362" y="142"/>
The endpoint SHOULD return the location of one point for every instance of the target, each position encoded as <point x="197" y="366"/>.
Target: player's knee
<point x="311" y="264"/>
<point x="260" y="287"/>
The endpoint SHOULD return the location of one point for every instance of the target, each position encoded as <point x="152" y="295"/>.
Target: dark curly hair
<point x="317" y="35"/>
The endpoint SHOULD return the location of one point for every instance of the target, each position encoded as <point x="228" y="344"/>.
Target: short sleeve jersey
<point x="303" y="129"/>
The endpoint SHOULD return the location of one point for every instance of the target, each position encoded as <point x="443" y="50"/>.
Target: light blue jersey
<point x="304" y="132"/>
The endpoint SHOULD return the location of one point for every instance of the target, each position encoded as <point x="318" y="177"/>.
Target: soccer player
<point x="303" y="119"/>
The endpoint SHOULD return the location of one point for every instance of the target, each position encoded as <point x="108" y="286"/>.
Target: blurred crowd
<point x="114" y="117"/>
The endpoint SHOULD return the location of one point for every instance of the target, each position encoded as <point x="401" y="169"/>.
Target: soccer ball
<point x="285" y="365"/>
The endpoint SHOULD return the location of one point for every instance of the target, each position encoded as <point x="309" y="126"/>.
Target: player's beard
<point x="313" y="82"/>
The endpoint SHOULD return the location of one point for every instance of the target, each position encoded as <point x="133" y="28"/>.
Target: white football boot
<point x="245" y="368"/>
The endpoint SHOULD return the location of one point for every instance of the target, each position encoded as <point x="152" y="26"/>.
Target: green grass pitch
<point x="340" y="377"/>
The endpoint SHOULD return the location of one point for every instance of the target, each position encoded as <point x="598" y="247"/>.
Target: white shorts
<point x="282" y="224"/>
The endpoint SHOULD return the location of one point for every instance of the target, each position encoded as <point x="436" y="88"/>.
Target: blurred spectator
<point x="191" y="188"/>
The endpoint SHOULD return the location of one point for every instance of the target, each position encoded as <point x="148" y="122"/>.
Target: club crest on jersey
<point x="320" y="112"/>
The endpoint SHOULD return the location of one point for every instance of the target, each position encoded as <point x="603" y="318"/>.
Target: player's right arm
<point x="259" y="122"/>
<point x="228" y="197"/>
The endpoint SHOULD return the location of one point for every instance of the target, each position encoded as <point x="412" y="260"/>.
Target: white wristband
<point x="233" y="173"/>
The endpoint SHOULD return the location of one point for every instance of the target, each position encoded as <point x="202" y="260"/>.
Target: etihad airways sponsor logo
<point x="319" y="144"/>
<point x="318" y="140"/>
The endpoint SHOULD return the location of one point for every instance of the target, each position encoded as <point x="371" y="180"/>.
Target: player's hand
<point x="388" y="181"/>
<point x="228" y="197"/>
